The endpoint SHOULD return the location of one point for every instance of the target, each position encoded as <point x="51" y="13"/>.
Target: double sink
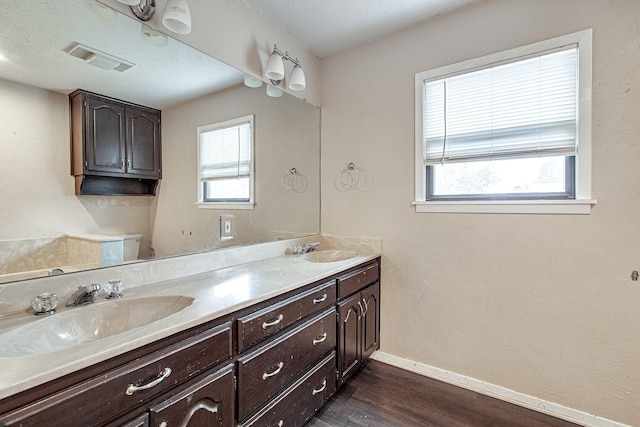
<point x="77" y="326"/>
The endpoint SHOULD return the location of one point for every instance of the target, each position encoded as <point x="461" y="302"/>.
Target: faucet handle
<point x="45" y="303"/>
<point x="114" y="288"/>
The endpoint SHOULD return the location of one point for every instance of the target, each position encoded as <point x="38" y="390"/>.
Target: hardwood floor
<point x="383" y="396"/>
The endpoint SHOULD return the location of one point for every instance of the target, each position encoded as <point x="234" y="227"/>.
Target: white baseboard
<point x="498" y="392"/>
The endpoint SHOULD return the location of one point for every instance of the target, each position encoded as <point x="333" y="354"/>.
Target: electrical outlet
<point x="226" y="229"/>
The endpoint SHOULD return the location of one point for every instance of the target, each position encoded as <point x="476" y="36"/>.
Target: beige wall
<point x="286" y="135"/>
<point x="36" y="188"/>
<point x="543" y="305"/>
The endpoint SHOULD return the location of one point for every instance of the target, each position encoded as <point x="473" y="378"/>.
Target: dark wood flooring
<point x="382" y="396"/>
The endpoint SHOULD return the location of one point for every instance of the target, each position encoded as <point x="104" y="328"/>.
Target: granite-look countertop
<point x="216" y="293"/>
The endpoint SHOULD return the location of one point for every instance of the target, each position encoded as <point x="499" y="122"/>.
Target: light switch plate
<point x="226" y="227"/>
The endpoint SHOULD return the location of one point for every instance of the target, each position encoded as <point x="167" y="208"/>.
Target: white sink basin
<point x="330" y="255"/>
<point x="92" y="322"/>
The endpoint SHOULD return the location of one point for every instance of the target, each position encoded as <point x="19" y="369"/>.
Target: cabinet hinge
<point x="235" y="383"/>
<point x="86" y="164"/>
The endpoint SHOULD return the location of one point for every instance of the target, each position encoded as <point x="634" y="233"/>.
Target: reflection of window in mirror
<point x="225" y="164"/>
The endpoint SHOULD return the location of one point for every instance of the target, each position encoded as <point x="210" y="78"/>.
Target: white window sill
<point x="226" y="205"/>
<point x="552" y="207"/>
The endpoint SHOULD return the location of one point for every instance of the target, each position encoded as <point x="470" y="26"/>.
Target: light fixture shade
<point x="130" y="2"/>
<point x="153" y="37"/>
<point x="275" y="67"/>
<point x="273" y="91"/>
<point x="251" y="81"/>
<point x="177" y="17"/>
<point x="297" y="80"/>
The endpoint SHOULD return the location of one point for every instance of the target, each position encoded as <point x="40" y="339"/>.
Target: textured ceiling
<point x="35" y="35"/>
<point x="330" y="26"/>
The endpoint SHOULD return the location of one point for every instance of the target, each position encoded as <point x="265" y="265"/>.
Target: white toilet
<point x="131" y="246"/>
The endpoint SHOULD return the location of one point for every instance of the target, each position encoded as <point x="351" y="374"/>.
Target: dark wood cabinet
<point x="105" y="147"/>
<point x="207" y="402"/>
<point x="358" y="320"/>
<point x="264" y="372"/>
<point x="143" y="143"/>
<point x="370" y="320"/>
<point x="116" y="145"/>
<point x="264" y="323"/>
<point x="349" y="336"/>
<point x="123" y="389"/>
<point x="301" y="400"/>
<point x="242" y="369"/>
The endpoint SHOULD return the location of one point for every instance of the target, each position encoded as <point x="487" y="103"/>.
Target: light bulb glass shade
<point x="101" y="11"/>
<point x="130" y="2"/>
<point x="251" y="81"/>
<point x="273" y="91"/>
<point x="275" y="67"/>
<point x="153" y="37"/>
<point x="177" y="17"/>
<point x="297" y="80"/>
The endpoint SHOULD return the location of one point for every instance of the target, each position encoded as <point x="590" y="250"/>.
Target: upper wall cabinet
<point x="116" y="146"/>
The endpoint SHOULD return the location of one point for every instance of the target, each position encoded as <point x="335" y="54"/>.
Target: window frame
<point x="226" y="204"/>
<point x="580" y="203"/>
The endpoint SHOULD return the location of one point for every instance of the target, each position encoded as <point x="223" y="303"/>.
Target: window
<point x="508" y="132"/>
<point x="225" y="164"/>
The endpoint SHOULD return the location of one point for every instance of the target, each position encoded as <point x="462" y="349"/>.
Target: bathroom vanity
<point x="262" y="343"/>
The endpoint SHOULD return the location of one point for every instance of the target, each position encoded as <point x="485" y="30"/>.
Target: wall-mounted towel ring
<point x="348" y="177"/>
<point x="293" y="180"/>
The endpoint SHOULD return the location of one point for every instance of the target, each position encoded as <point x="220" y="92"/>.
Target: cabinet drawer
<point x="265" y="323"/>
<point x="263" y="373"/>
<point x="356" y="280"/>
<point x="300" y="401"/>
<point x="206" y="402"/>
<point x="100" y="398"/>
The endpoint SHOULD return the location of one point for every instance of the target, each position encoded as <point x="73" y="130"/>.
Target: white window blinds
<point x="520" y="109"/>
<point x="225" y="153"/>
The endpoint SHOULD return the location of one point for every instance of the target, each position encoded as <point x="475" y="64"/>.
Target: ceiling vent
<point x="99" y="59"/>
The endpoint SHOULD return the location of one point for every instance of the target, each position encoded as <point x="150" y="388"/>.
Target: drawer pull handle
<point x="320" y="339"/>
<point x="276" y="372"/>
<point x="280" y="423"/>
<point x="323" y="298"/>
<point x="366" y="307"/>
<point x="265" y="325"/>
<point x="201" y="405"/>
<point x="133" y="388"/>
<point x="321" y="389"/>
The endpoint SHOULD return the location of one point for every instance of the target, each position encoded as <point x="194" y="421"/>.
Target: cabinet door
<point x="371" y="320"/>
<point x="349" y="336"/>
<point x="105" y="136"/>
<point x="143" y="142"/>
<point x="206" y="403"/>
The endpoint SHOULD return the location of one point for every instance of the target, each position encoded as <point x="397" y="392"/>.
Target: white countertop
<point x="216" y="293"/>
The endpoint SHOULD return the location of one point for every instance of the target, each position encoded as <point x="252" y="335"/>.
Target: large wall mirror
<point x="44" y="225"/>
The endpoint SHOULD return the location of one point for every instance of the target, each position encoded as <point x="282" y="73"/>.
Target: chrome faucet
<point x="309" y="247"/>
<point x="84" y="295"/>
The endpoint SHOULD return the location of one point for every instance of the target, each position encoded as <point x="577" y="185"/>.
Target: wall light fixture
<point x="275" y="70"/>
